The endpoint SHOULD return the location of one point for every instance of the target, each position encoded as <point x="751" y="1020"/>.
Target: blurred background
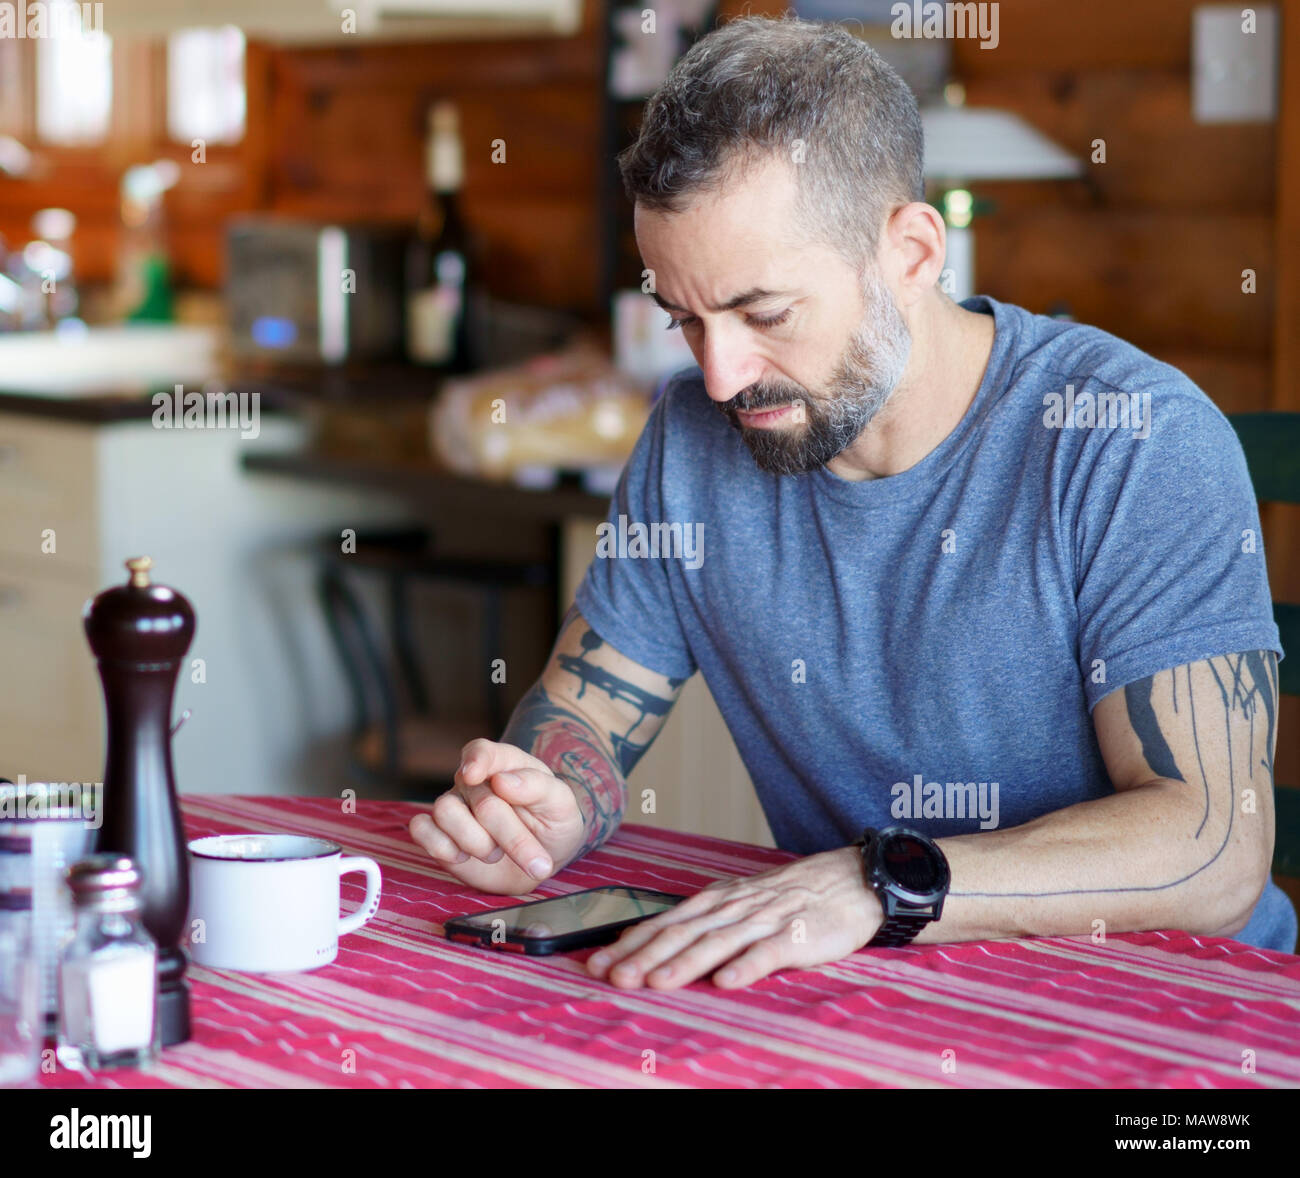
<point x="389" y="246"/>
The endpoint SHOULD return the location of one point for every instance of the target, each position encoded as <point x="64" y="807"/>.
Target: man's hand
<point x="506" y="822"/>
<point x="804" y="913"/>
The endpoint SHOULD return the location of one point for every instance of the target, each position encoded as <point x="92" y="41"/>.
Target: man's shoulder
<point x="1056" y="353"/>
<point x="1091" y="392"/>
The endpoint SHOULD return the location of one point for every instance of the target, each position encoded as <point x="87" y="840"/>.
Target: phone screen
<point x="576" y="913"/>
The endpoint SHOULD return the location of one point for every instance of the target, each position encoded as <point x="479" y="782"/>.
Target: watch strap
<point x="898" y="931"/>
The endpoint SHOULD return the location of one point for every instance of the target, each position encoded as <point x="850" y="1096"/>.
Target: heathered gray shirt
<point x="928" y="647"/>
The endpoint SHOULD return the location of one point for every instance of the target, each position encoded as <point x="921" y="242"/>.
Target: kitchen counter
<point x="290" y="393"/>
<point x="104" y="408"/>
<point x="423" y="480"/>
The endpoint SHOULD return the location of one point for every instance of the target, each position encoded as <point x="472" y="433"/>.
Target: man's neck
<point x="950" y="351"/>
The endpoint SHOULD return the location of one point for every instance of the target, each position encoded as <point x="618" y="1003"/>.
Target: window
<point x="205" y="85"/>
<point x="74" y="79"/>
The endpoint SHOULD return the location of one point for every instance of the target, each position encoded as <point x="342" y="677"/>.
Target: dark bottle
<point x="139" y="633"/>
<point x="440" y="278"/>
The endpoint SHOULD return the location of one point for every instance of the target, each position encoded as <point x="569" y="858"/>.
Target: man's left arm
<point x="1185" y="842"/>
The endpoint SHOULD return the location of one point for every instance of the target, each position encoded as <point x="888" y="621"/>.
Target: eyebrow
<point x="753" y="295"/>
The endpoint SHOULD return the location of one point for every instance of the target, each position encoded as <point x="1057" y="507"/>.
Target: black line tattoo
<point x="647" y="703"/>
<point x="1251" y="683"/>
<point x="1143" y="718"/>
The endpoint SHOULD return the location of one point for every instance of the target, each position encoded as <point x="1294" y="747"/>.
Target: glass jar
<point x="20" y="1008"/>
<point x="108" y="975"/>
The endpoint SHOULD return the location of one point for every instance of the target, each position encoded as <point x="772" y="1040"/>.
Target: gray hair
<point x="813" y="94"/>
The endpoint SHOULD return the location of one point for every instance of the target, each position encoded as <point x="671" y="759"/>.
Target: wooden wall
<point x="345" y="137"/>
<point x="339" y="132"/>
<point x="1152" y="245"/>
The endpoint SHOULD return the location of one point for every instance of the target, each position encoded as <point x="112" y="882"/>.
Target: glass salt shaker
<point x="108" y="977"/>
<point x="20" y="1006"/>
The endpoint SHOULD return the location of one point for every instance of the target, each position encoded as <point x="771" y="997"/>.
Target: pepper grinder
<point x="139" y="633"/>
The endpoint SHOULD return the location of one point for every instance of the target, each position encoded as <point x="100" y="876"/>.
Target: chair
<point x="396" y="738"/>
<point x="1272" y="445"/>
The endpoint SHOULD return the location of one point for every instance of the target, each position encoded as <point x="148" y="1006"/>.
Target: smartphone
<point x="576" y="921"/>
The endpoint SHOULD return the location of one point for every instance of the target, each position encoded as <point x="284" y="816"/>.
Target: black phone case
<point x="456" y="929"/>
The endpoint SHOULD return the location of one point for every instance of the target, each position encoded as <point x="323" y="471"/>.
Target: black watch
<point x="910" y="875"/>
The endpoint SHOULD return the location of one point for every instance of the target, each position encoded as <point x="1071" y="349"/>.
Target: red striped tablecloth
<point x="402" y="1007"/>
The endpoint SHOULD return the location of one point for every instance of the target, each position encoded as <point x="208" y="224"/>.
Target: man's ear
<point x="913" y="246"/>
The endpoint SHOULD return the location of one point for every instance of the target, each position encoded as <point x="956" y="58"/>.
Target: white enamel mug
<point x="270" y="902"/>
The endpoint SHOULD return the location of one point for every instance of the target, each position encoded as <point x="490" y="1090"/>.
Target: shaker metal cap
<point x="111" y="881"/>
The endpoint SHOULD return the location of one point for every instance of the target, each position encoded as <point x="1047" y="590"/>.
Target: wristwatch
<point x="910" y="875"/>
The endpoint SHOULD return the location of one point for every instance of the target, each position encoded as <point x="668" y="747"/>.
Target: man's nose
<point x="728" y="361"/>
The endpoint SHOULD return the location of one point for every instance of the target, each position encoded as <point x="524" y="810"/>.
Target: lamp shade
<point x="965" y="143"/>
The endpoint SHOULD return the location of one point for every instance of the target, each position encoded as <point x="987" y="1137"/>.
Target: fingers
<point x="755" y="963"/>
<point x="663" y="950"/>
<point x="481" y="758"/>
<point x="480" y="824"/>
<point x="681" y="954"/>
<point x="504" y="803"/>
<point x="425" y="832"/>
<point x="500" y="822"/>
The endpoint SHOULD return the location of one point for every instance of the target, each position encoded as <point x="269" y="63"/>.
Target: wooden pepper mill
<point x="139" y="633"/>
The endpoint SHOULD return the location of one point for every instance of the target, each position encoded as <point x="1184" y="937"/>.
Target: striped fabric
<point x="403" y="1008"/>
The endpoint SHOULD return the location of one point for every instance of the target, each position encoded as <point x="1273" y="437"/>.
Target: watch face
<point x="911" y="863"/>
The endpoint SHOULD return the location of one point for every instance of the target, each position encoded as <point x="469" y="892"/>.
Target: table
<point x="402" y="1007"/>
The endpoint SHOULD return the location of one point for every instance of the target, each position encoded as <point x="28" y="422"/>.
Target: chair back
<point x="1271" y="442"/>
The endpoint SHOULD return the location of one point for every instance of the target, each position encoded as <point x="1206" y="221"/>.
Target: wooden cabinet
<point x="50" y="712"/>
<point x="262" y="683"/>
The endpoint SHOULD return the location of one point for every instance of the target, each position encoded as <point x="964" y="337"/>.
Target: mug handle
<point x="370" y="905"/>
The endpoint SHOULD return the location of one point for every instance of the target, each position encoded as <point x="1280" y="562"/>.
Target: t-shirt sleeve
<point x="1169" y="558"/>
<point x="628" y="600"/>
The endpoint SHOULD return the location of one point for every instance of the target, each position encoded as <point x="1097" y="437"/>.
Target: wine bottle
<point x="440" y="263"/>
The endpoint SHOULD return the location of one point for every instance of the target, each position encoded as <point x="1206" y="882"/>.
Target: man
<point x="939" y="542"/>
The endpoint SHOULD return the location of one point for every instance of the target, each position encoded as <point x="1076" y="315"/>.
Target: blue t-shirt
<point x="888" y="650"/>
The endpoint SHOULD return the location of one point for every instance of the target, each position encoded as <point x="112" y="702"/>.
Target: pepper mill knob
<point x="139" y="567"/>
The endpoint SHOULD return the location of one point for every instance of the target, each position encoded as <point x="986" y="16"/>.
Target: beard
<point x="868" y="372"/>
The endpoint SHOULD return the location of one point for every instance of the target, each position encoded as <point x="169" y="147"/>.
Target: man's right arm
<point x="565" y="754"/>
<point x="589" y="718"/>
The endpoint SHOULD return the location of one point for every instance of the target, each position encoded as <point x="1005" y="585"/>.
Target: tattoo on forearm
<point x="1247" y="684"/>
<point x="579" y="753"/>
<point x="626" y="747"/>
<point x="573" y="750"/>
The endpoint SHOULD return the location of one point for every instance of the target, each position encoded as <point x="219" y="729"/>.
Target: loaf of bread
<point x="570" y="410"/>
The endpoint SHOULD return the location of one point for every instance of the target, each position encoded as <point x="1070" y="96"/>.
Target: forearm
<point x="574" y="751"/>
<point x="1133" y="861"/>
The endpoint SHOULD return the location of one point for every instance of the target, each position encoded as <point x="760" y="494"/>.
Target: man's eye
<point x="762" y="322"/>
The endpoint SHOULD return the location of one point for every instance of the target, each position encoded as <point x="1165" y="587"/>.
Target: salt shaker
<point x="20" y="1005"/>
<point x="108" y="981"/>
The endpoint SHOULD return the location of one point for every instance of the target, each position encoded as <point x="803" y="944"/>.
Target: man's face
<point x="776" y="324"/>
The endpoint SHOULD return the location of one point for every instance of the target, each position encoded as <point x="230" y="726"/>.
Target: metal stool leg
<point x="344" y="613"/>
